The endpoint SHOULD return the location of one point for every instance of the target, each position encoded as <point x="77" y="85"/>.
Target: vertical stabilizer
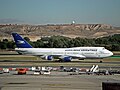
<point x="20" y="42"/>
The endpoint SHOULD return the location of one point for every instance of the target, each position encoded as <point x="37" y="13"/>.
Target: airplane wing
<point x="50" y="57"/>
<point x="78" y="56"/>
<point x="73" y="56"/>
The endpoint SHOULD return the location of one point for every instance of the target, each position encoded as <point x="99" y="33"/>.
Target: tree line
<point x="111" y="42"/>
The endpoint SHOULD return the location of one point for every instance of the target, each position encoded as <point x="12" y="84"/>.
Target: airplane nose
<point x="111" y="53"/>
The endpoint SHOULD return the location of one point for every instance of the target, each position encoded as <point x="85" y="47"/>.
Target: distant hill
<point x="35" y="32"/>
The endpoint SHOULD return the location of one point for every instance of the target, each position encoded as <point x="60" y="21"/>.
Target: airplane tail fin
<point x="20" y="42"/>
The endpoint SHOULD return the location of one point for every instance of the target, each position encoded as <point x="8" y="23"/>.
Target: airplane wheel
<point x="60" y="60"/>
<point x="101" y="61"/>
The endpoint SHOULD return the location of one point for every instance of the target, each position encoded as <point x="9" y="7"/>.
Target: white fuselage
<point x="77" y="52"/>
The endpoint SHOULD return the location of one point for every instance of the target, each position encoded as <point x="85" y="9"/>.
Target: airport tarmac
<point x="54" y="81"/>
<point x="6" y="63"/>
<point x="16" y="60"/>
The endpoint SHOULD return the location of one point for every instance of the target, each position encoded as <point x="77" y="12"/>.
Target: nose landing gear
<point x="101" y="61"/>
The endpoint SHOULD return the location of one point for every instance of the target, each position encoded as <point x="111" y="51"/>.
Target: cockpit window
<point x="103" y="48"/>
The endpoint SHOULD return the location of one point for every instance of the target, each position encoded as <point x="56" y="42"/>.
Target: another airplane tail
<point x="20" y="42"/>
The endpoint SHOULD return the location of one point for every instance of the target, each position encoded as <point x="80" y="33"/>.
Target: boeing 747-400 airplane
<point x="63" y="54"/>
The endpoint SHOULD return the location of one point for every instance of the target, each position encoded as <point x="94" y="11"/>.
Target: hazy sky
<point x="60" y="11"/>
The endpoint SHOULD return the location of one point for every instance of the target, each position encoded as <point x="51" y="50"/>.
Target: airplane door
<point x="98" y="54"/>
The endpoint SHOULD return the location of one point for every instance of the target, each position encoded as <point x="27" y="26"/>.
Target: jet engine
<point x="67" y="59"/>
